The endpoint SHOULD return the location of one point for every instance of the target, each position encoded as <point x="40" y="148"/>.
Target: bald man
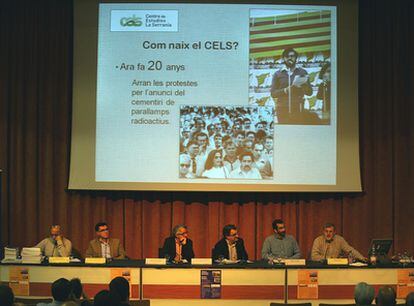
<point x="56" y="245"/>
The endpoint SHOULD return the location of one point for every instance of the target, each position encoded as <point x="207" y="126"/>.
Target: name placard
<point x="201" y="261"/>
<point x="337" y="261"/>
<point x="59" y="260"/>
<point x="95" y="260"/>
<point x="295" y="262"/>
<point x="155" y="261"/>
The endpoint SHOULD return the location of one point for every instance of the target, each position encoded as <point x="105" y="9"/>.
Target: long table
<point x="247" y="284"/>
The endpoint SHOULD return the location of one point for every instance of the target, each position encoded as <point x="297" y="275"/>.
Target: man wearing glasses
<point x="103" y="246"/>
<point x="178" y="247"/>
<point x="231" y="247"/>
<point x="185" y="164"/>
<point x="56" y="245"/>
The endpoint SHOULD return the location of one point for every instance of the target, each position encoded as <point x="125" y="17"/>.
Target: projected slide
<point x="216" y="94"/>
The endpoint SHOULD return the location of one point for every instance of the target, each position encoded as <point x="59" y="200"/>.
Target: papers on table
<point x="32" y="255"/>
<point x="10" y="255"/>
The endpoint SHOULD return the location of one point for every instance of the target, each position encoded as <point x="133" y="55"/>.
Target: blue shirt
<point x="285" y="247"/>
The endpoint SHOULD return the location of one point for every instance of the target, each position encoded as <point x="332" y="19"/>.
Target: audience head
<point x="106" y="298"/>
<point x="76" y="286"/>
<point x="102" y="230"/>
<point x="364" y="294"/>
<point x="386" y="297"/>
<point x="120" y="286"/>
<point x="6" y="296"/>
<point x="61" y="290"/>
<point x="409" y="300"/>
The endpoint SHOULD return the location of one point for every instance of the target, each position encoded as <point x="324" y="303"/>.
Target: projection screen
<point x="215" y="97"/>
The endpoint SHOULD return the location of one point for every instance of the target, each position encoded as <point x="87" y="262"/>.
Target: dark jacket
<point x="221" y="249"/>
<point x="168" y="250"/>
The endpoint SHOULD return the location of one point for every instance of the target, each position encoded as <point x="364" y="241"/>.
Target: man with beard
<point x="331" y="245"/>
<point x="246" y="169"/>
<point x="280" y="245"/>
<point x="231" y="246"/>
<point x="289" y="85"/>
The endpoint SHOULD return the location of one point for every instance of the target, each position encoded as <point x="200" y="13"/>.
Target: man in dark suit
<point x="103" y="246"/>
<point x="178" y="246"/>
<point x="231" y="246"/>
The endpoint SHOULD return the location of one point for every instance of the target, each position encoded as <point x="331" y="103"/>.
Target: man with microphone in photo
<point x="56" y="245"/>
<point x="289" y="85"/>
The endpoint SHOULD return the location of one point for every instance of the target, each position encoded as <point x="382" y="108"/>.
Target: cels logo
<point x="131" y="21"/>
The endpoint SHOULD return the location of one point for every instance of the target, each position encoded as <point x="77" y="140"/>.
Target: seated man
<point x="103" y="246"/>
<point x="279" y="244"/>
<point x="231" y="246"/>
<point x="364" y="294"/>
<point x="61" y="292"/>
<point x="331" y="245"/>
<point x="178" y="246"/>
<point x="56" y="245"/>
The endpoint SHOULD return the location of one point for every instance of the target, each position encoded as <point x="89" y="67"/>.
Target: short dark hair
<point x="61" y="290"/>
<point x="245" y="153"/>
<point x="364" y="294"/>
<point x="196" y="135"/>
<point x="386" y="296"/>
<point x="288" y="50"/>
<point x="409" y="300"/>
<point x="76" y="286"/>
<point x="227" y="228"/>
<point x="276" y="222"/>
<point x="6" y="295"/>
<point x="239" y="132"/>
<point x="106" y="298"/>
<point x="99" y="224"/>
<point x="192" y="142"/>
<point x="329" y="224"/>
<point x="120" y="286"/>
<point x="227" y="142"/>
<point x="250" y="132"/>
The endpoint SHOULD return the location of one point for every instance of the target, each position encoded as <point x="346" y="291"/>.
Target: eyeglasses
<point x="103" y="230"/>
<point x="182" y="234"/>
<point x="233" y="235"/>
<point x="185" y="165"/>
